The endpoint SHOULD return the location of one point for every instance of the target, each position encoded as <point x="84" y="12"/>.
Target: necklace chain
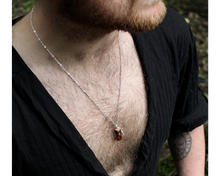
<point x="73" y="79"/>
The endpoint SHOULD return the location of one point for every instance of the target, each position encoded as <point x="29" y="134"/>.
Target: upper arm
<point x="188" y="151"/>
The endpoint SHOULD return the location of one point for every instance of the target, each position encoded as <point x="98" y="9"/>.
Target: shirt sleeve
<point x="191" y="108"/>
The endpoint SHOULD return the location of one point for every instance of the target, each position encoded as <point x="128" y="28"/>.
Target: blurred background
<point x="195" y="13"/>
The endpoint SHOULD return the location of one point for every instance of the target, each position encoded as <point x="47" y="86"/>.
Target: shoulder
<point x="174" y="26"/>
<point x="172" y="37"/>
<point x="173" y="19"/>
<point x="171" y="29"/>
<point x="11" y="28"/>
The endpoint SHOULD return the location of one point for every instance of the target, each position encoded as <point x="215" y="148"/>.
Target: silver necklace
<point x="118" y="131"/>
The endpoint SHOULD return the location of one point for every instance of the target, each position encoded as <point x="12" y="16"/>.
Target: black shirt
<point x="45" y="142"/>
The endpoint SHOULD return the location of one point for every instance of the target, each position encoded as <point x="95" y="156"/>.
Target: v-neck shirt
<point x="45" y="142"/>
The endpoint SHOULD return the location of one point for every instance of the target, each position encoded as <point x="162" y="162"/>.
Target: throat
<point x="66" y="39"/>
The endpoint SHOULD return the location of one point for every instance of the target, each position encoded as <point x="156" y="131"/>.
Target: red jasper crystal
<point x="118" y="134"/>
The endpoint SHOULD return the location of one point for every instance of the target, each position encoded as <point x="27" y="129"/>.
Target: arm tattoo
<point x="180" y="145"/>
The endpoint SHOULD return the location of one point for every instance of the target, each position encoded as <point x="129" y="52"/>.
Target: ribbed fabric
<point x="46" y="143"/>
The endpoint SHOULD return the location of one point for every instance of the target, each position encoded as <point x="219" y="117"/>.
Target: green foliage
<point x="166" y="167"/>
<point x="28" y="4"/>
<point x="21" y="7"/>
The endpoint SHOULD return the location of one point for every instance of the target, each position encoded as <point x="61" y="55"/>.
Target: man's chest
<point x="93" y="119"/>
<point x="93" y="124"/>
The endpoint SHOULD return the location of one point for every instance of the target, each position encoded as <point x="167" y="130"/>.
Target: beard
<point x="127" y="15"/>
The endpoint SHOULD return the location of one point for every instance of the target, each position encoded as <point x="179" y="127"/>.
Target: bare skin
<point x="87" y="45"/>
<point x="100" y="78"/>
<point x="188" y="150"/>
<point x="91" y="54"/>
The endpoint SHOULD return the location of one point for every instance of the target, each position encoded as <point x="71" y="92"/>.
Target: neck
<point x="68" y="39"/>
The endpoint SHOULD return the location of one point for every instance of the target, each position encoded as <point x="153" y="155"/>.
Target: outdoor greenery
<point x="195" y="13"/>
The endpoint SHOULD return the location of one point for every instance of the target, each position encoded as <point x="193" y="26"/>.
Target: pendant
<point x="119" y="133"/>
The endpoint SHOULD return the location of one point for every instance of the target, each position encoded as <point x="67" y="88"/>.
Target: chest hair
<point x="117" y="157"/>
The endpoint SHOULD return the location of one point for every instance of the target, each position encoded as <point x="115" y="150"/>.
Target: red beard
<point x="131" y="16"/>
